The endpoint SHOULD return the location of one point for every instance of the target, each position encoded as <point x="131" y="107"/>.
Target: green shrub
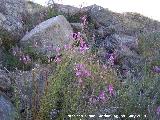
<point x="7" y="39"/>
<point x="149" y="48"/>
<point x="149" y="44"/>
<point x="66" y="95"/>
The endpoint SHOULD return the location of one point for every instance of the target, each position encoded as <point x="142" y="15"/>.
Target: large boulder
<point x="7" y="110"/>
<point x="48" y="35"/>
<point x="119" y="42"/>
<point x="124" y="48"/>
<point x="66" y="9"/>
<point x="11" y="13"/>
<point x="132" y="24"/>
<point x="101" y="15"/>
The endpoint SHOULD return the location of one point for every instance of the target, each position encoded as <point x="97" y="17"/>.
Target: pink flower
<point x="79" y="35"/>
<point x="58" y="49"/>
<point x="84" y="19"/>
<point x="93" y="99"/>
<point x="28" y="58"/>
<point x="102" y="96"/>
<point x="24" y="58"/>
<point x="67" y="47"/>
<point x="87" y="73"/>
<point x="74" y="36"/>
<point x="111" y="59"/>
<point x="81" y="71"/>
<point x="110" y="89"/>
<point x="80" y="81"/>
<point x="14" y="52"/>
<point x="105" y="66"/>
<point x="93" y="37"/>
<point x="84" y="48"/>
<point x="158" y="110"/>
<point x="57" y="59"/>
<point x="156" y="69"/>
<point x="78" y="73"/>
<point x="82" y="42"/>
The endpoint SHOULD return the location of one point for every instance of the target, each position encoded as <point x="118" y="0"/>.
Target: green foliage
<point x="149" y="45"/>
<point x="66" y="95"/>
<point x="11" y="62"/>
<point x="73" y="18"/>
<point x="7" y="39"/>
<point x="36" y="57"/>
<point x="149" y="48"/>
<point x="51" y="12"/>
<point x="16" y="101"/>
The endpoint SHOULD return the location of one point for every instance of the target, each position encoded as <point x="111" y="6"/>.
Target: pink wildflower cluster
<point x="82" y="44"/>
<point x="102" y="97"/>
<point x="67" y="47"/>
<point x="158" y="110"/>
<point x="81" y="71"/>
<point x="83" y="47"/>
<point x="111" y="58"/>
<point x="22" y="57"/>
<point x="84" y="21"/>
<point x="25" y="59"/>
<point x="111" y="89"/>
<point x="58" y="58"/>
<point x="156" y="69"/>
<point x="93" y="99"/>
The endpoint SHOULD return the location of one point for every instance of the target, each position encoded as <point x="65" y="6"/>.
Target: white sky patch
<point x="149" y="8"/>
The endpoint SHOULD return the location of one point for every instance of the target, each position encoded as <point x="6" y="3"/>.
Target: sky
<point x="149" y="8"/>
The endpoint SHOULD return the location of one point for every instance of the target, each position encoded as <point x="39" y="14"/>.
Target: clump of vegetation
<point x="76" y="87"/>
<point x="7" y="39"/>
<point x="149" y="48"/>
<point x="12" y="62"/>
<point x="83" y="86"/>
<point x="149" y="45"/>
<point x="9" y="60"/>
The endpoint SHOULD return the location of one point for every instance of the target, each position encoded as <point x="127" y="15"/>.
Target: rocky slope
<point x="29" y="32"/>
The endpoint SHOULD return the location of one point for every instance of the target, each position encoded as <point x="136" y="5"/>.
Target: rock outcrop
<point x="66" y="9"/>
<point x="7" y="110"/>
<point x="48" y="35"/>
<point x="11" y="16"/>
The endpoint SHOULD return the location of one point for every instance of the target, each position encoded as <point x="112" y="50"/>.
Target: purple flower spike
<point x="158" y="110"/>
<point x="78" y="73"/>
<point x="111" y="59"/>
<point x="57" y="60"/>
<point x="156" y="69"/>
<point x="67" y="47"/>
<point x="111" y="90"/>
<point x="93" y="99"/>
<point x="102" y="96"/>
<point x="58" y="49"/>
<point x="87" y="73"/>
